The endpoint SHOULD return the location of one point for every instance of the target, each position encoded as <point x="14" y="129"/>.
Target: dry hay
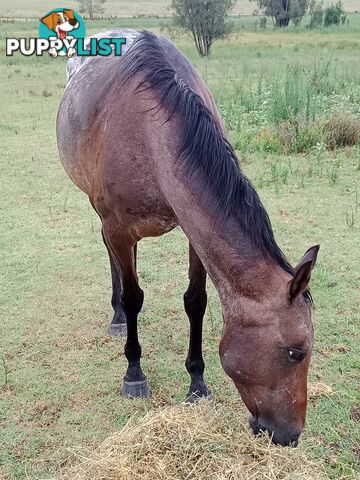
<point x="341" y="130"/>
<point x="198" y="442"/>
<point x="319" y="389"/>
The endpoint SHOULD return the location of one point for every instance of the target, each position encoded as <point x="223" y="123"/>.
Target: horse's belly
<point x="140" y="218"/>
<point x="153" y="226"/>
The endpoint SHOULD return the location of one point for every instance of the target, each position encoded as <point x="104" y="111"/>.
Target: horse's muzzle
<point x="284" y="436"/>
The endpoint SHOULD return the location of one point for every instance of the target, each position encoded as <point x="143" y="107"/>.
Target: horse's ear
<point x="302" y="272"/>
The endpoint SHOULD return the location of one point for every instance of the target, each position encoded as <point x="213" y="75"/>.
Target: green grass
<point x="60" y="372"/>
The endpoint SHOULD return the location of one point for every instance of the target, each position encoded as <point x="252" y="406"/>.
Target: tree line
<point x="208" y="20"/>
<point x="282" y="12"/>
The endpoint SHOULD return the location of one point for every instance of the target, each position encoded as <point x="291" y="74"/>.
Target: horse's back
<point x="109" y="141"/>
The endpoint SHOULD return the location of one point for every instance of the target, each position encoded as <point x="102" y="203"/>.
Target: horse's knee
<point x="132" y="351"/>
<point x="132" y="302"/>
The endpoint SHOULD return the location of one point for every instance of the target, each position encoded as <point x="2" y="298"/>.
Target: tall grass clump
<point x="341" y="130"/>
<point x="291" y="96"/>
<point x="293" y="110"/>
<point x="287" y="113"/>
<point x="300" y="101"/>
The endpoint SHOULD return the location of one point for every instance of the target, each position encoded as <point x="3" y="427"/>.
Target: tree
<point x="316" y="13"/>
<point x="334" y="14"/>
<point x="205" y="20"/>
<point x="282" y="11"/>
<point x="92" y="8"/>
<point x="297" y="10"/>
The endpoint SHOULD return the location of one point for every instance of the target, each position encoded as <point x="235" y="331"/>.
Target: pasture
<point x="128" y="8"/>
<point x="125" y="8"/>
<point x="59" y="371"/>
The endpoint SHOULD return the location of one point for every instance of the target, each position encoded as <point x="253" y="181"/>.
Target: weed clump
<point x="300" y="136"/>
<point x="297" y="136"/>
<point x="267" y="140"/>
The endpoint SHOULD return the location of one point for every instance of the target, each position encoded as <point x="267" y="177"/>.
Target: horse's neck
<point x="234" y="266"/>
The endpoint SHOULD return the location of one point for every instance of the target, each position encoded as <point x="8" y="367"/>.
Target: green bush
<point x="307" y="138"/>
<point x="334" y="14"/>
<point x="263" y="21"/>
<point x="316" y="13"/>
<point x="299" y="136"/>
<point x="267" y="141"/>
<point x="242" y="142"/>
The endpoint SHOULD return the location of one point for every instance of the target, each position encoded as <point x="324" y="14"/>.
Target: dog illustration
<point x="61" y="23"/>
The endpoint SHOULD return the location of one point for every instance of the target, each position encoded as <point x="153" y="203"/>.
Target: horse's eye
<point x="296" y="356"/>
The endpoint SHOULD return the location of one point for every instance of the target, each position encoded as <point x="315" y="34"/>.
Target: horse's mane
<point x="204" y="149"/>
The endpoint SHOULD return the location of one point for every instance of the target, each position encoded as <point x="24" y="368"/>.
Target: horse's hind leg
<point x="195" y="300"/>
<point x="123" y="251"/>
<point x="118" y="325"/>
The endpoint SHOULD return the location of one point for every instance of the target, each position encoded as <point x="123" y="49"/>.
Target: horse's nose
<point x="294" y="440"/>
<point x="287" y="441"/>
<point x="281" y="435"/>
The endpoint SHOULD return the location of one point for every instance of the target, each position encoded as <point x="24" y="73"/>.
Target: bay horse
<point x="142" y="137"/>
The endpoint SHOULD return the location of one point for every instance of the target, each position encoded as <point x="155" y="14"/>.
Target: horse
<point x="141" y="135"/>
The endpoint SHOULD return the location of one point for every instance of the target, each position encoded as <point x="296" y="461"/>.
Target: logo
<point x="62" y="33"/>
<point x="68" y="27"/>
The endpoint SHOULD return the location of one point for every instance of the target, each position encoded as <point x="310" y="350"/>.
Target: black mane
<point x="204" y="149"/>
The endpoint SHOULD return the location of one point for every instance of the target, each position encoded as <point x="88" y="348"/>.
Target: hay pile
<point x="195" y="442"/>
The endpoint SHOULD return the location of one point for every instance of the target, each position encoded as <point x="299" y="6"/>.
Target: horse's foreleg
<point x="123" y="252"/>
<point x="118" y="325"/>
<point x="195" y="300"/>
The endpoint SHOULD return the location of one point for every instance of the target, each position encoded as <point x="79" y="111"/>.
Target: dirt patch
<point x="355" y="414"/>
<point x="44" y="415"/>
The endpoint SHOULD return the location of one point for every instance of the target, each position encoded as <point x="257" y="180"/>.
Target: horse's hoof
<point x="118" y="330"/>
<point x="202" y="393"/>
<point x="139" y="389"/>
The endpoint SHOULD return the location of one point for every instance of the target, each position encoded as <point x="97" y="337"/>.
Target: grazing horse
<point x="142" y="137"/>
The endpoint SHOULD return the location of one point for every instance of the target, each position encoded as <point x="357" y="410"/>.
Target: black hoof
<point x="200" y="393"/>
<point x="139" y="389"/>
<point x="118" y="330"/>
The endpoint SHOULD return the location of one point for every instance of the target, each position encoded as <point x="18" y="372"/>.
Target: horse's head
<point x="267" y="353"/>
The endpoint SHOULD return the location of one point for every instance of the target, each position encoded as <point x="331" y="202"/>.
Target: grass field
<point x="118" y="8"/>
<point x="59" y="372"/>
<point x="126" y="8"/>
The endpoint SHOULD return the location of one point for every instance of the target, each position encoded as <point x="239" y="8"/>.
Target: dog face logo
<point x="61" y="22"/>
<point x="63" y="28"/>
